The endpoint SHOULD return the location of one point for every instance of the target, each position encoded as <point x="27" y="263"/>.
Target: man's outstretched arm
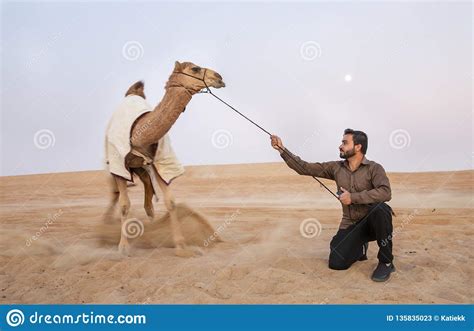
<point x="317" y="169"/>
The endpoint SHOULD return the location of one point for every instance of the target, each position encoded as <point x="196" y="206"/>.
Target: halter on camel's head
<point x="194" y="78"/>
<point x="188" y="75"/>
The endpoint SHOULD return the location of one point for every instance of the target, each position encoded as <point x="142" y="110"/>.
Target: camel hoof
<point x="183" y="251"/>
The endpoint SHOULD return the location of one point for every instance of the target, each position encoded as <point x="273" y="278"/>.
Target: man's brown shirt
<point x="368" y="184"/>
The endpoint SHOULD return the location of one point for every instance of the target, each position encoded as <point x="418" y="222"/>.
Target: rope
<point x="208" y="90"/>
<point x="268" y="133"/>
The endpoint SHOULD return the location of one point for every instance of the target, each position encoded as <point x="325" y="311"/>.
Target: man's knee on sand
<point x="337" y="258"/>
<point x="337" y="262"/>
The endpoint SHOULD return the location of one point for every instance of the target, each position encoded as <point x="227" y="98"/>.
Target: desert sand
<point x="55" y="246"/>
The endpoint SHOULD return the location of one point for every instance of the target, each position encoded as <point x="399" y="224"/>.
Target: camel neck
<point x="174" y="100"/>
<point x="152" y="126"/>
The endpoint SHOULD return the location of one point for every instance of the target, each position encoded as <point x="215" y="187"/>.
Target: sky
<point x="400" y="71"/>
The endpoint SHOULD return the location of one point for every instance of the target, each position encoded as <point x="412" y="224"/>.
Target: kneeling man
<point x="363" y="190"/>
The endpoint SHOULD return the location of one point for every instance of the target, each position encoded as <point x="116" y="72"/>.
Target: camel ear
<point x="177" y="66"/>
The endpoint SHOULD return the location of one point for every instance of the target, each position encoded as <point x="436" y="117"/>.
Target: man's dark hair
<point x="359" y="138"/>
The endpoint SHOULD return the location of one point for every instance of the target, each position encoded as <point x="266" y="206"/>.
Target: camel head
<point x="192" y="76"/>
<point x="137" y="89"/>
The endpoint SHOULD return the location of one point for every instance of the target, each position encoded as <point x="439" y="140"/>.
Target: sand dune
<point x="55" y="247"/>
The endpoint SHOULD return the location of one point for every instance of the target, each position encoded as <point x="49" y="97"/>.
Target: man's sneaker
<point x="382" y="272"/>
<point x="365" y="247"/>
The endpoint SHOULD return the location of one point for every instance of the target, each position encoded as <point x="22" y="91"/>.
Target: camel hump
<point x="136" y="89"/>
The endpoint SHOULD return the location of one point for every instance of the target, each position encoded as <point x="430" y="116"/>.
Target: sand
<point x="56" y="248"/>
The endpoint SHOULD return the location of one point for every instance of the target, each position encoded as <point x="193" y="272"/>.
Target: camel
<point x="186" y="80"/>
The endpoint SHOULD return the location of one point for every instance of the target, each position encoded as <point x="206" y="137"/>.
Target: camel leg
<point x="148" y="203"/>
<point x="114" y="195"/>
<point x="124" y="202"/>
<point x="178" y="239"/>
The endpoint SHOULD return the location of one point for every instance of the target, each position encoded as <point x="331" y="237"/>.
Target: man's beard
<point x="348" y="154"/>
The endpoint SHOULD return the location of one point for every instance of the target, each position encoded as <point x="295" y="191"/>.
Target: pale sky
<point x="400" y="71"/>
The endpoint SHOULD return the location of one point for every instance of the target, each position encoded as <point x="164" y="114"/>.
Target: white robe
<point x="117" y="142"/>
